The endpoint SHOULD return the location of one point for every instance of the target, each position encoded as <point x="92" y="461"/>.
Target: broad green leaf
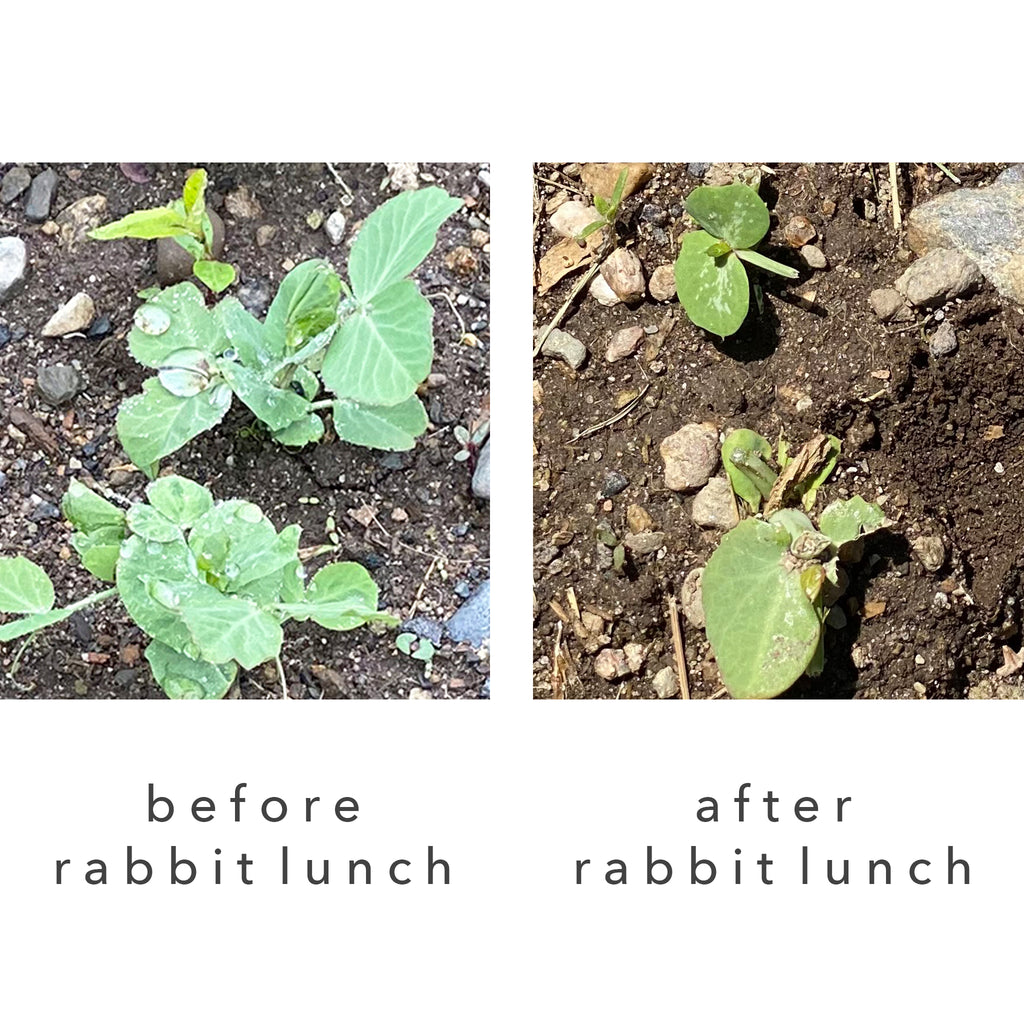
<point x="734" y="213"/>
<point x="227" y="628"/>
<point x="758" y="260"/>
<point x="392" y="428"/>
<point x="156" y="423"/>
<point x="183" y="678"/>
<point x="381" y="354"/>
<point x="245" y="334"/>
<point x="308" y="430"/>
<point x="164" y="222"/>
<point x="215" y="275"/>
<point x="306" y="304"/>
<point x="192" y="194"/>
<point x="761" y="625"/>
<point x="714" y="291"/>
<point x="187" y="372"/>
<point x="87" y="511"/>
<point x="743" y="486"/>
<point x="258" y="563"/>
<point x="181" y="500"/>
<point x="846" y="520"/>
<point x="175" y="319"/>
<point x="100" y="550"/>
<point x="342" y="596"/>
<point x="33" y="623"/>
<point x="277" y="407"/>
<point x="396" y="238"/>
<point x="24" y="587"/>
<point x="149" y="523"/>
<point x="155" y="582"/>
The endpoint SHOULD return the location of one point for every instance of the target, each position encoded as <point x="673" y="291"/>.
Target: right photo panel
<point x="778" y="413"/>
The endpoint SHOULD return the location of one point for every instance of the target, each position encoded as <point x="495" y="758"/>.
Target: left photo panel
<point x="245" y="439"/>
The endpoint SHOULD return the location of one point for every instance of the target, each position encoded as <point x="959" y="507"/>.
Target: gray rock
<point x="255" y="296"/>
<point x="691" y="598"/>
<point x="13" y="266"/>
<point x="614" y="483"/>
<point x="697" y="170"/>
<point x="562" y="345"/>
<point x="16" y="180"/>
<point x="645" y="543"/>
<point x="3" y="479"/>
<point x="943" y="341"/>
<point x="690" y="456"/>
<point x="665" y="682"/>
<point x="57" y="384"/>
<point x="624" y="343"/>
<point x="40" y="196"/>
<point x="938" y="276"/>
<point x="334" y="227"/>
<point x="985" y="224"/>
<point x="482" y="473"/>
<point x="471" y="624"/>
<point x="813" y="257"/>
<point x="424" y="627"/>
<point x="715" y="505"/>
<point x="885" y="303"/>
<point x="75" y="315"/>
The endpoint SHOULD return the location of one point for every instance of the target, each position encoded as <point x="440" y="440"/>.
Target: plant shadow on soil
<point x="427" y="543"/>
<point x="935" y="439"/>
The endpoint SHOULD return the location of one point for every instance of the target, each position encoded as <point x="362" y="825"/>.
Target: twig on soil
<point x="897" y="217"/>
<point x="720" y="692"/>
<point x="678" y="650"/>
<point x="341" y="181"/>
<point x="280" y="673"/>
<point x="558" y="184"/>
<point x="454" y="308"/>
<point x="624" y="411"/>
<point x="423" y="584"/>
<point x="557" y="675"/>
<point x="559" y="316"/>
<point x="947" y="172"/>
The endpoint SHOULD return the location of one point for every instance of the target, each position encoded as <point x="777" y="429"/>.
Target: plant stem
<point x="103" y="595"/>
<point x="324" y="403"/>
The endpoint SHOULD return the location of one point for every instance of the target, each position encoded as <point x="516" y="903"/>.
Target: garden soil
<point x="409" y="517"/>
<point x="936" y="440"/>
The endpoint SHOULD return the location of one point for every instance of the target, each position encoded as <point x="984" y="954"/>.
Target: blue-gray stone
<point x="13" y="266"/>
<point x="471" y="624"/>
<point x="40" y="196"/>
<point x="424" y="627"/>
<point x="16" y="180"/>
<point x="482" y="473"/>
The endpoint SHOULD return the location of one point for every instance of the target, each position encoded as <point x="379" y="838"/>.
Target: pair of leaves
<point x="763" y="606"/>
<point x="711" y="280"/>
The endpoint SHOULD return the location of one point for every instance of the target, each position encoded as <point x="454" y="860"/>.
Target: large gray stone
<point x="13" y="266"/>
<point x="16" y="180"/>
<point x="563" y="345"/>
<point x="938" y="276"/>
<point x="482" y="473"/>
<point x="57" y="384"/>
<point x="40" y="196"/>
<point x="471" y="624"/>
<point x="986" y="224"/>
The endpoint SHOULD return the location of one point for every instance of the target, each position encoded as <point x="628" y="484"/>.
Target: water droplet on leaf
<point x="151" y="319"/>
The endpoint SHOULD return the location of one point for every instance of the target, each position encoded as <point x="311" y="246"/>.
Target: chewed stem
<point x="754" y="467"/>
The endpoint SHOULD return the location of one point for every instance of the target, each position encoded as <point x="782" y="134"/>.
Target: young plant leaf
<point x="396" y="238"/>
<point x="193" y="192"/>
<point x="164" y="222"/>
<point x="215" y="275"/>
<point x="306" y="304"/>
<point x="156" y="423"/>
<point x="24" y="587"/>
<point x="245" y="335"/>
<point x="33" y="623"/>
<point x="392" y="428"/>
<point x="100" y="550"/>
<point x="755" y="258"/>
<point x="175" y="320"/>
<point x="714" y="291"/>
<point x="308" y="430"/>
<point x="277" y="407"/>
<point x="342" y="596"/>
<point x="147" y="522"/>
<point x="761" y="625"/>
<point x="734" y="213"/>
<point x="182" y="678"/>
<point x="743" y="485"/>
<point x="846" y="521"/>
<point x="181" y="500"/>
<point x="228" y="628"/>
<point x="382" y="353"/>
<point x="87" y="511"/>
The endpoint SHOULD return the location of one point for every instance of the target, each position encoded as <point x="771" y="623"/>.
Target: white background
<point x="510" y="792"/>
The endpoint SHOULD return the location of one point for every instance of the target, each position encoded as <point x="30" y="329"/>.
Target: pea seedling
<point x="771" y="583"/>
<point x="711" y="280"/>
<point x="211" y="583"/>
<point x="369" y="342"/>
<point x="187" y="222"/>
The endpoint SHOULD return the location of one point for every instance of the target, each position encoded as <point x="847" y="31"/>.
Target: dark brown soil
<point x="429" y="536"/>
<point x="914" y="430"/>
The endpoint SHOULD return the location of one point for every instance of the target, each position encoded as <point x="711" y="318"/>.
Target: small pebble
<point x="334" y="227"/>
<point x="99" y="328"/>
<point x="943" y="342"/>
<point x="799" y="231"/>
<point x="562" y="345"/>
<point x="662" y="285"/>
<point x="690" y="456"/>
<point x="611" y="664"/>
<point x="665" y="683"/>
<point x="624" y="343"/>
<point x="614" y="483"/>
<point x="813" y="257"/>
